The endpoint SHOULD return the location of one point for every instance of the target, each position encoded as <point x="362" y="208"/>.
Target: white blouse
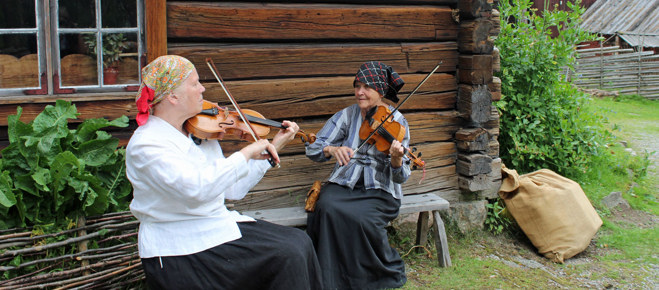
<point x="179" y="190"/>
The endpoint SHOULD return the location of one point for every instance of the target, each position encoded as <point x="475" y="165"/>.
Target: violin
<point x="386" y="133"/>
<point x="214" y="122"/>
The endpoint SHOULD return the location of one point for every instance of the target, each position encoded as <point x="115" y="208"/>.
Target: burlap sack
<point x="553" y="212"/>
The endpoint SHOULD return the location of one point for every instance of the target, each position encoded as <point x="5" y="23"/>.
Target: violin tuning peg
<point x="414" y="167"/>
<point x="413" y="149"/>
<point x="419" y="154"/>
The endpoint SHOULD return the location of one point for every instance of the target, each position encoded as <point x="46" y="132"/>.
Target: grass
<point x="623" y="253"/>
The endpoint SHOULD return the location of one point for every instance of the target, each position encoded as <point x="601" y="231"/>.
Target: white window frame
<point x="48" y="47"/>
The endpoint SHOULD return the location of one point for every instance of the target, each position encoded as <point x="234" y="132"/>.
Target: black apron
<point x="348" y="229"/>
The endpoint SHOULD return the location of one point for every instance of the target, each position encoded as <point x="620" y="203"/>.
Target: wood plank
<point x="108" y="108"/>
<point x="297" y="216"/>
<point x="248" y="61"/>
<point x="275" y="99"/>
<point x="267" y="21"/>
<point x="437" y="158"/>
<point x="298" y="97"/>
<point x="287" y="186"/>
<point x="470" y="9"/>
<point x="474" y="103"/>
<point x="441" y="241"/>
<point x="474" y="37"/>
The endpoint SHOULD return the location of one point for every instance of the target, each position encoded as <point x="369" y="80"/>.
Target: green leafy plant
<point x="49" y="172"/>
<point x="497" y="220"/>
<point x="545" y="120"/>
<point x="114" y="44"/>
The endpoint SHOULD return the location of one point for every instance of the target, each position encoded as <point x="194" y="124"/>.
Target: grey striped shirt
<point x="343" y="130"/>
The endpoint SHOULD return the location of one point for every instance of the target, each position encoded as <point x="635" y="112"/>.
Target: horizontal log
<point x="496" y="60"/>
<point x="241" y="61"/>
<point x="441" y="180"/>
<point x="436" y="155"/>
<point x="110" y="108"/>
<point x="495" y="88"/>
<point x="495" y="181"/>
<point x="474" y="37"/>
<point x="474" y="103"/>
<point x="493" y="148"/>
<point x="470" y="9"/>
<point x="473" y="164"/>
<point x="280" y="98"/>
<point x="472" y="139"/>
<point x="475" y="69"/>
<point x="300" y="97"/>
<point x="474" y="183"/>
<point x="264" y="21"/>
<point x="425" y="127"/>
<point x="495" y="18"/>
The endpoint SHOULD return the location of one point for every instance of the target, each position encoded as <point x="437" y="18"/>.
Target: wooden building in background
<point x="297" y="60"/>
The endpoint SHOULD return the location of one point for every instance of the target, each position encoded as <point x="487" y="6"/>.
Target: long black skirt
<point x="268" y="256"/>
<point x="348" y="229"/>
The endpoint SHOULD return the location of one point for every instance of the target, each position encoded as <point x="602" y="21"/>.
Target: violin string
<point x="401" y="103"/>
<point x="233" y="102"/>
<point x="211" y="65"/>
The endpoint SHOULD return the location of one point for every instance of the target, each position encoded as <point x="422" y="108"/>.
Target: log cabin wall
<point x="297" y="61"/>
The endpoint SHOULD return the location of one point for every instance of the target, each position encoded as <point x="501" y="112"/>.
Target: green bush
<point x="49" y="172"/>
<point x="545" y="120"/>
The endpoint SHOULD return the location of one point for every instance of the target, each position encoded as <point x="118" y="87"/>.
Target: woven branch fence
<point x="100" y="253"/>
<point x="618" y="69"/>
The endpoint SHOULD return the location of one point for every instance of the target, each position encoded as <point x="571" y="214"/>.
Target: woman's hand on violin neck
<point x="258" y="149"/>
<point x="397" y="152"/>
<point x="342" y="154"/>
<point x="284" y="136"/>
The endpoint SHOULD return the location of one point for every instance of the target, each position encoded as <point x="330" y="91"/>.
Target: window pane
<point x="77" y="14"/>
<point x="120" y="64"/>
<point x="78" y="64"/>
<point x="17" y="14"/>
<point x="19" y="61"/>
<point x="119" y="13"/>
<point x="129" y="67"/>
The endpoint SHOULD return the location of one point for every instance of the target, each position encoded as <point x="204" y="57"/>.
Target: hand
<point x="260" y="150"/>
<point x="284" y="136"/>
<point x="397" y="151"/>
<point x="342" y="154"/>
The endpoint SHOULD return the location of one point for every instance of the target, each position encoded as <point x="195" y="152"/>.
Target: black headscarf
<point x="381" y="78"/>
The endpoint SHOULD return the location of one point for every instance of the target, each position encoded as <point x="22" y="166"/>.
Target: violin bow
<point x="396" y="109"/>
<point x="213" y="69"/>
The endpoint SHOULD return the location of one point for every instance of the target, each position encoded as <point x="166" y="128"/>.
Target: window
<point x="50" y="46"/>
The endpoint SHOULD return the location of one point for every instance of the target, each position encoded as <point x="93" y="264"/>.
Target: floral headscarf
<point x="381" y="78"/>
<point x="159" y="79"/>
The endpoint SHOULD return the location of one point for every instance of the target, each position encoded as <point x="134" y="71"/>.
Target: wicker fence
<point x="100" y="253"/>
<point x="616" y="69"/>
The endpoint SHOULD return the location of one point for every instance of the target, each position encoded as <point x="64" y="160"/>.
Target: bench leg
<point x="441" y="241"/>
<point x="422" y="230"/>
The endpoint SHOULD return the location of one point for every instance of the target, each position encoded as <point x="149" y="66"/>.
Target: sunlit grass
<point x="634" y="243"/>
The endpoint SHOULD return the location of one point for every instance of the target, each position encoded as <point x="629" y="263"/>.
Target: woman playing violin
<point x="188" y="239"/>
<point x="363" y="193"/>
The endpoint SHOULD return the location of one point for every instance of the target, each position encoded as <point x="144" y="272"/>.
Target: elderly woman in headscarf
<point x="188" y="239"/>
<point x="363" y="193"/>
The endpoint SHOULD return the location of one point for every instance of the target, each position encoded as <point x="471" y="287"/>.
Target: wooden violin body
<point x="218" y="123"/>
<point x="386" y="133"/>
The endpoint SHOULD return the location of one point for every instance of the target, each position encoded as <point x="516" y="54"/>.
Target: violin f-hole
<point x="225" y="123"/>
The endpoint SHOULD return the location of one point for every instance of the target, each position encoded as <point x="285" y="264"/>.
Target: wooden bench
<point x="424" y="204"/>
